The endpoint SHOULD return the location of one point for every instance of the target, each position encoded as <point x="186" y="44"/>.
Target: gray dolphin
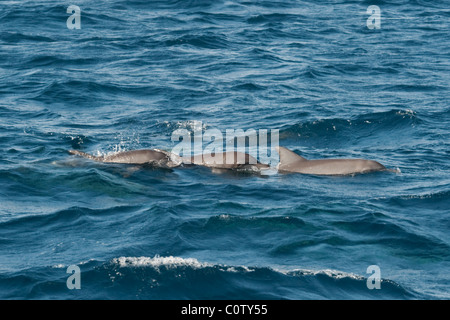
<point x="154" y="157"/>
<point x="292" y="162"/>
<point x="226" y="160"/>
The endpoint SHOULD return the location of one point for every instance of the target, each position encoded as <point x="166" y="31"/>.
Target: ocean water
<point x="136" y="71"/>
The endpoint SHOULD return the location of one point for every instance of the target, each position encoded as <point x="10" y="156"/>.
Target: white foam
<point x="336" y="274"/>
<point x="158" y="262"/>
<point x="407" y="112"/>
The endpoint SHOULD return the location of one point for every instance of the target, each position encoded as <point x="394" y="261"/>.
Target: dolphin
<point x="226" y="160"/>
<point x="292" y="162"/>
<point x="154" y="157"/>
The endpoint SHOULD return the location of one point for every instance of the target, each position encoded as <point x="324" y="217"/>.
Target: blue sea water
<point x="136" y="71"/>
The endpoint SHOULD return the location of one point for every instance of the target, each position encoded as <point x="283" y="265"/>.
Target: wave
<point x="109" y="91"/>
<point x="435" y="200"/>
<point x="169" y="4"/>
<point x="158" y="262"/>
<point x="349" y="131"/>
<point x="275" y="17"/>
<point x="418" y="87"/>
<point x="75" y="216"/>
<point x="204" y="41"/>
<point x="69" y="90"/>
<point x="15" y="37"/>
<point x="42" y="15"/>
<point x="55" y="61"/>
<point x="400" y="235"/>
<point x="233" y="223"/>
<point x="172" y="277"/>
<point x="290" y="235"/>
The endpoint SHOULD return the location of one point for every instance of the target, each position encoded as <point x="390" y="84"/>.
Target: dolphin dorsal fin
<point x="287" y="156"/>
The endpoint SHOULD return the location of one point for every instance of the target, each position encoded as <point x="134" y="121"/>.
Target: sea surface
<point x="137" y="71"/>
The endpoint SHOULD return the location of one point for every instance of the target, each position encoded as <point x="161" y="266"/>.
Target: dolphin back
<point x="156" y="157"/>
<point x="84" y="155"/>
<point x="292" y="162"/>
<point x="288" y="158"/>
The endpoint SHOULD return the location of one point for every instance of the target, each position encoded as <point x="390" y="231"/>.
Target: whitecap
<point x="158" y="262"/>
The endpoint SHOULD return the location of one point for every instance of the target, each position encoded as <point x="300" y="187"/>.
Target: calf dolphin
<point x="154" y="157"/>
<point x="292" y="162"/>
<point x="226" y="160"/>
